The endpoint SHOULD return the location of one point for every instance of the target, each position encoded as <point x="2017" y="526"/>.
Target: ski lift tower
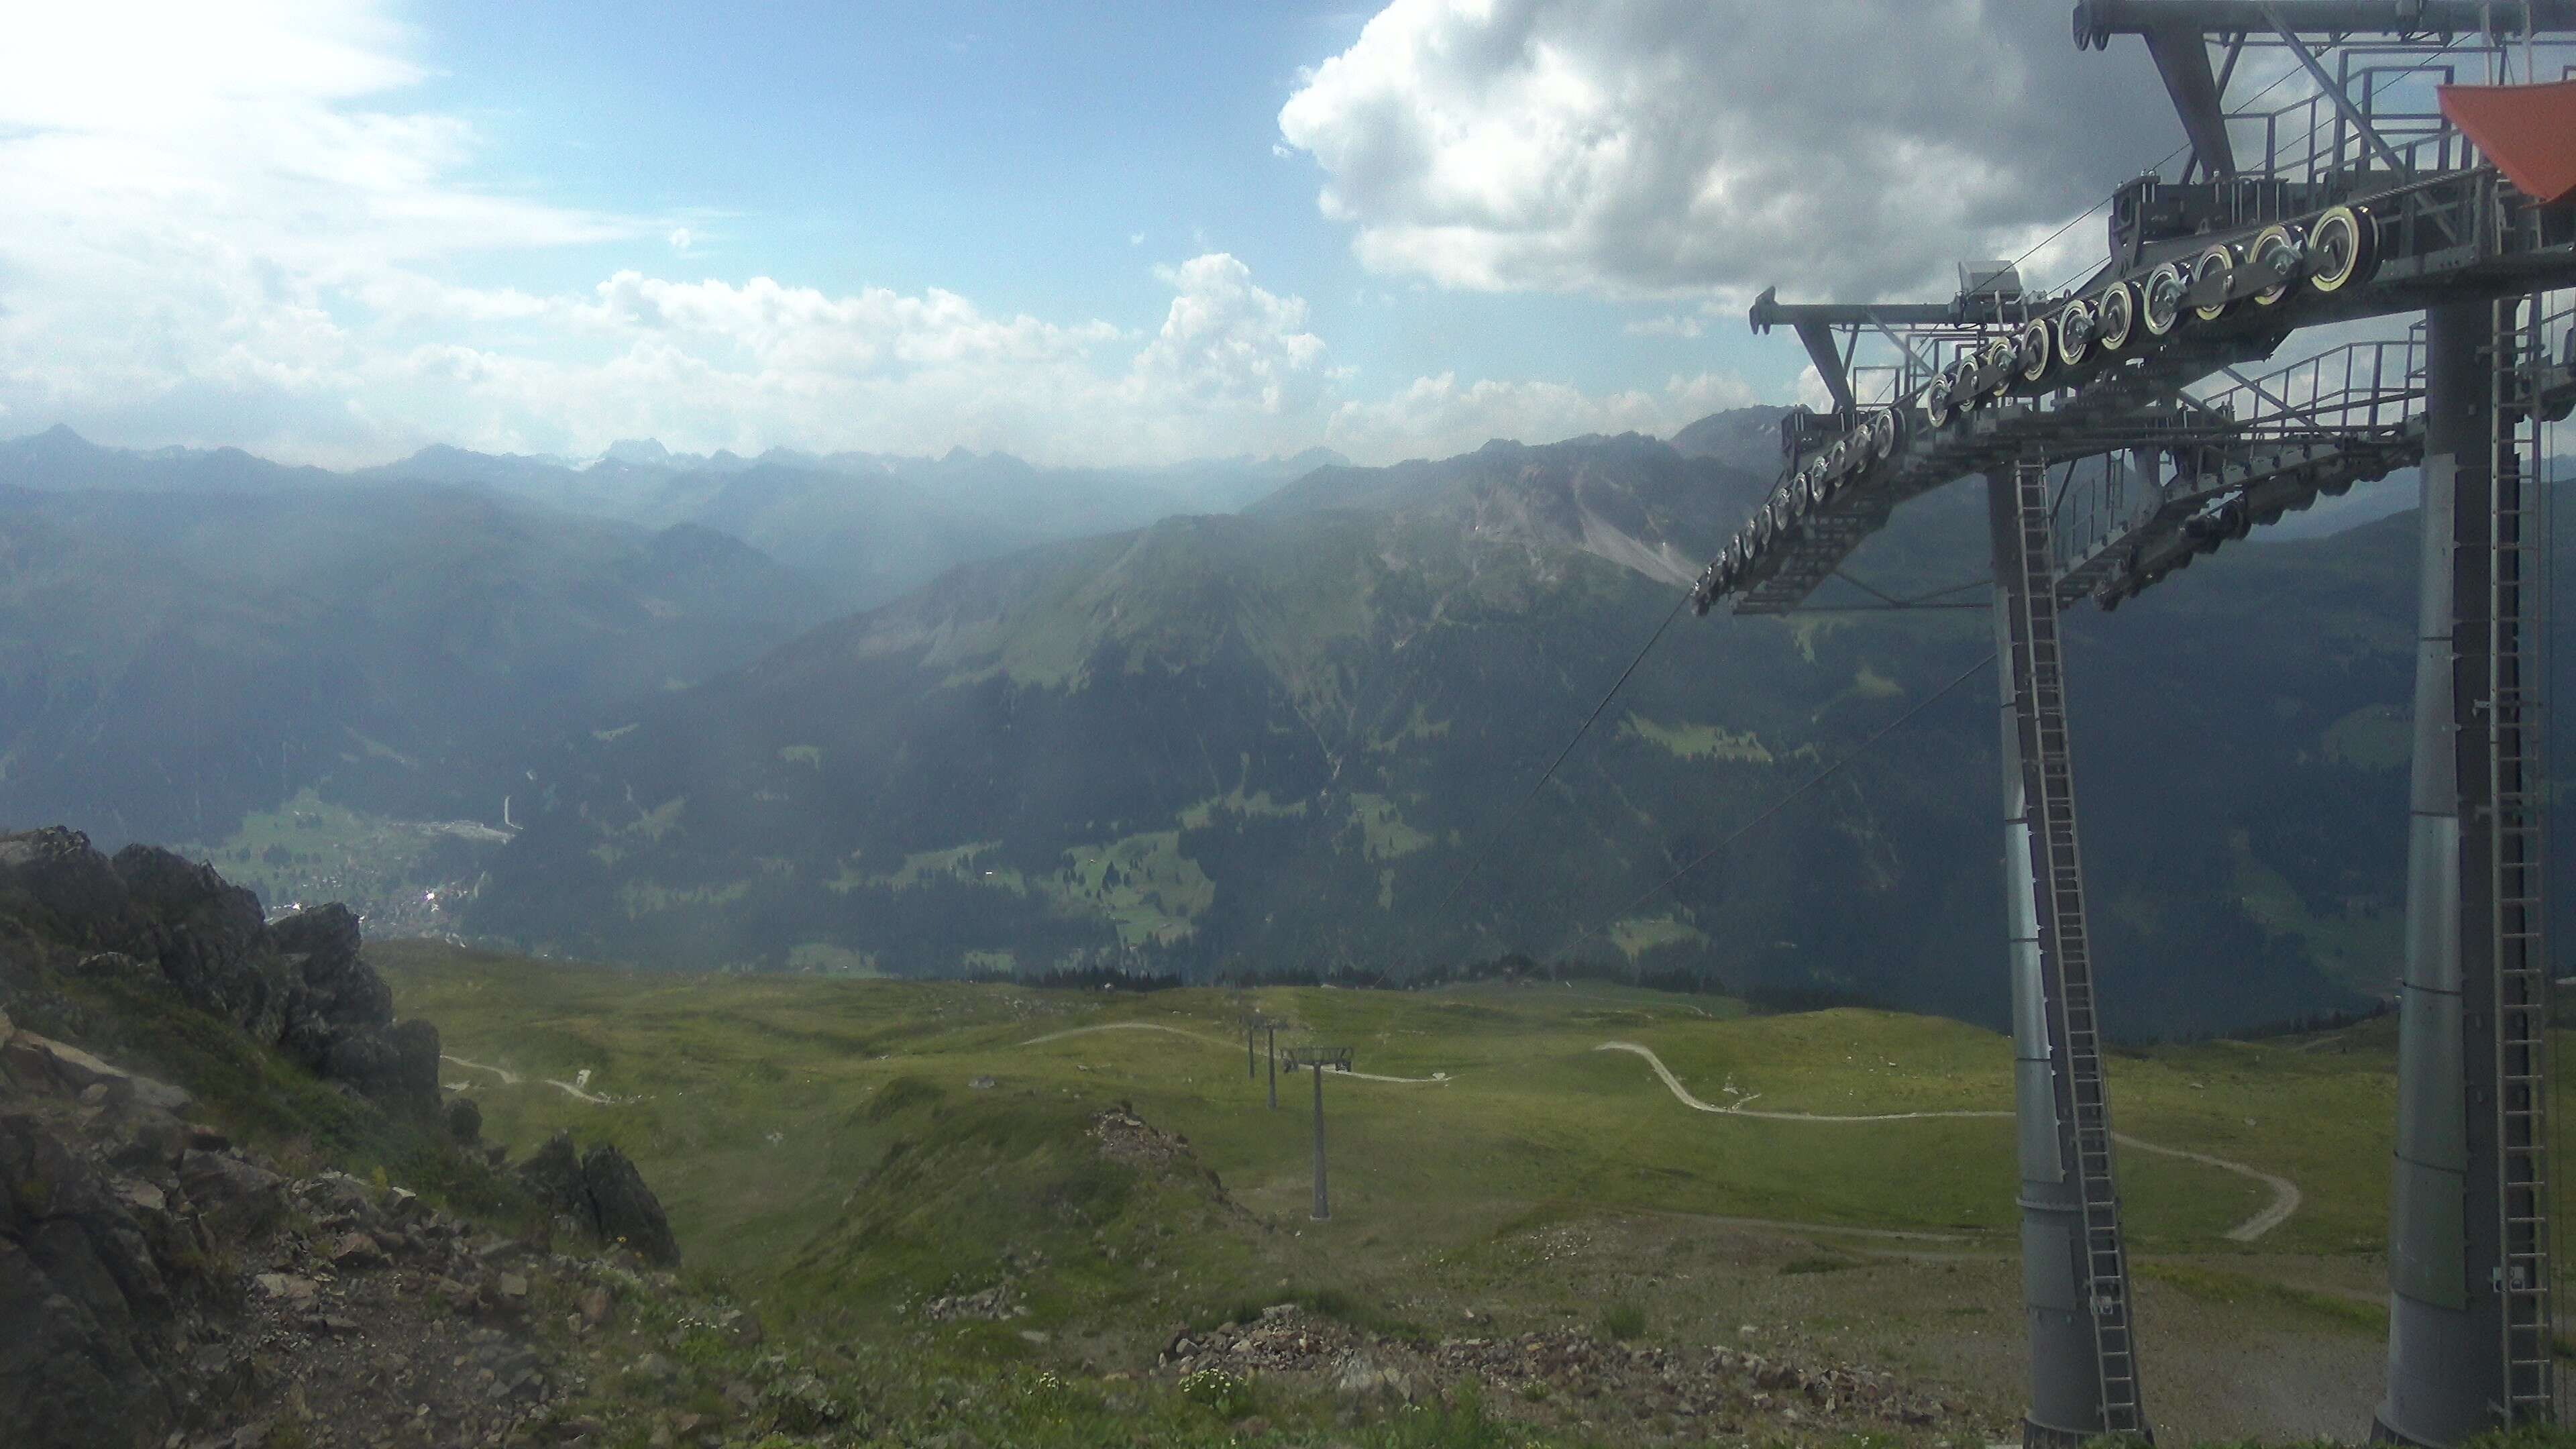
<point x="2384" y="186"/>
<point x="1316" y="1059"/>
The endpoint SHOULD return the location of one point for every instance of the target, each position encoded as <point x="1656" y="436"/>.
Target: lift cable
<point x="1550" y="773"/>
<point x="1889" y="603"/>
<point x="1776" y="806"/>
<point x="1872" y="590"/>
<point x="2158" y="167"/>
<point x="1921" y="599"/>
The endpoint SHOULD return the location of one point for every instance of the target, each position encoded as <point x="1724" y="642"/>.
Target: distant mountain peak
<point x="1744" y="437"/>
<point x="637" y="450"/>
<point x="1313" y="458"/>
<point x="57" y="441"/>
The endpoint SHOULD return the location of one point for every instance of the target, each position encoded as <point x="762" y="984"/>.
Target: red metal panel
<point x="2528" y="131"/>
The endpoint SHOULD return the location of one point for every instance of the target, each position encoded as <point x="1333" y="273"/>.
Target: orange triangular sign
<point x="2528" y="131"/>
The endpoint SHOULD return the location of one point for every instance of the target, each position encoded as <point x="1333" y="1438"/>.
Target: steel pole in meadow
<point x="1323" y="1206"/>
<point x="1274" y="1069"/>
<point x="1315" y="1059"/>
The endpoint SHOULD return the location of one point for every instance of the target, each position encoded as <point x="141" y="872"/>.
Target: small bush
<point x="1458" y="1424"/>
<point x="1623" y="1320"/>
<point x="1219" y="1392"/>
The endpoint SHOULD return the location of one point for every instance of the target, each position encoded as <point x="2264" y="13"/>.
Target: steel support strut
<point x="2083" y="1361"/>
<point x="2468" y="1337"/>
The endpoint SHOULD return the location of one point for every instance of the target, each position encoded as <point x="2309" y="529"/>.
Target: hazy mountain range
<point x="863" y="527"/>
<point x="1285" y="738"/>
<point x="1178" y="738"/>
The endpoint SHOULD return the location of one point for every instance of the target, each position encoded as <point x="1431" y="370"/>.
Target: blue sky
<point x="1011" y="153"/>
<point x="337" y="230"/>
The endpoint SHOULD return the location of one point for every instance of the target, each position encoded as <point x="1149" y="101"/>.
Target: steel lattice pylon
<point x="2355" y="198"/>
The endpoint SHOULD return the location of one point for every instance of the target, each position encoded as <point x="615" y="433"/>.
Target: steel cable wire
<point x="1550" y="772"/>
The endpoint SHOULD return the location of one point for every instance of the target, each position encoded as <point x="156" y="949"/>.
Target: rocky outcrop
<point x="626" y="1210"/>
<point x="299" y="985"/>
<point x="52" y="880"/>
<point x="207" y="936"/>
<point x="335" y="992"/>
<point x="160" y="1286"/>
<point x="98" y="1243"/>
<point x="604" y="1195"/>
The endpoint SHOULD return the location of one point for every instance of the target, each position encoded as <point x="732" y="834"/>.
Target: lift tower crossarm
<point x="1814" y="322"/>
<point x="2096" y="21"/>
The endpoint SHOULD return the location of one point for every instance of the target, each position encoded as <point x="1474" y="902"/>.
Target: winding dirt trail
<point x="2285" y="1193"/>
<point x="1214" y="1042"/>
<point x="508" y="1078"/>
<point x="511" y="1079"/>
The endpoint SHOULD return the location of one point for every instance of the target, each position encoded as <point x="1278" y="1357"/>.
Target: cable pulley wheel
<point x="1936" y="400"/>
<point x="2038" y="350"/>
<point x="2282" y="246"/>
<point x="2074" y="333"/>
<point x="2115" y="317"/>
<point x="1882" y="436"/>
<point x="1956" y="385"/>
<point x="2343" y="250"/>
<point x="2217" y="262"/>
<point x="2160" y="301"/>
<point x="2003" y="356"/>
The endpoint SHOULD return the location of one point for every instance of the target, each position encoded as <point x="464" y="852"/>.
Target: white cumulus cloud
<point x="1663" y="147"/>
<point x="224" y="225"/>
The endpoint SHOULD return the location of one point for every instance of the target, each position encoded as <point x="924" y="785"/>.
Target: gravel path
<point x="511" y="1079"/>
<point x="2285" y="1193"/>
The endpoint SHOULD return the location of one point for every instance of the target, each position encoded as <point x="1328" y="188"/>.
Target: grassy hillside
<point x="851" y="1150"/>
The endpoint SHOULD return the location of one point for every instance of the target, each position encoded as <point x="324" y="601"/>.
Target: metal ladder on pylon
<point x="2517" y="786"/>
<point x="2049" y="784"/>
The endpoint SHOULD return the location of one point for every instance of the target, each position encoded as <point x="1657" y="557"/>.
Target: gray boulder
<point x="235" y="1199"/>
<point x="1362" y="1382"/>
<point x="464" y="1121"/>
<point x="84" y="1309"/>
<point x="396" y="1067"/>
<point x="553" y="1174"/>
<point x="602" y="1191"/>
<point x="624" y="1210"/>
